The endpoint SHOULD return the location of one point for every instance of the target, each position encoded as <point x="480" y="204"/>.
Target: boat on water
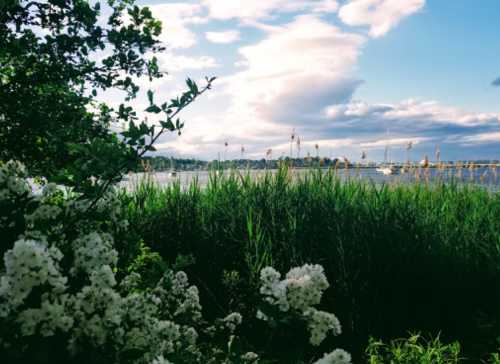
<point x="172" y="173"/>
<point x="386" y="168"/>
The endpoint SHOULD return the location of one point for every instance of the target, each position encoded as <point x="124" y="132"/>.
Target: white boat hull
<point x="387" y="171"/>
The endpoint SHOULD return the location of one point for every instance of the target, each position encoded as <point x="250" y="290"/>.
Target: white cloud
<point x="258" y="9"/>
<point x="169" y="62"/>
<point x="175" y="18"/>
<point x="302" y="75"/>
<point x="380" y="15"/>
<point x="394" y="142"/>
<point x="295" y="71"/>
<point x="326" y="6"/>
<point x="423" y="113"/>
<point x="434" y="112"/>
<point x="286" y="79"/>
<point x="225" y="37"/>
<point x="481" y="138"/>
<point x="355" y="109"/>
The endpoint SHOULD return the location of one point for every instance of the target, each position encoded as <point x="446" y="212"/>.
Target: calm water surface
<point x="487" y="177"/>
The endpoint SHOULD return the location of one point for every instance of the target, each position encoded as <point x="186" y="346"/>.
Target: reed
<point x="423" y="257"/>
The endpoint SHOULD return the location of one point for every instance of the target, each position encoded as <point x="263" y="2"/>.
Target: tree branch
<point x="146" y="148"/>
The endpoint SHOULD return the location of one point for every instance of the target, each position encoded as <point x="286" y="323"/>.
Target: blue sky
<point x="348" y="75"/>
<point x="450" y="51"/>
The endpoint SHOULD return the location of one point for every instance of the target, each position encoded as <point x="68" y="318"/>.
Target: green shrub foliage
<point x="55" y="58"/>
<point x="402" y="257"/>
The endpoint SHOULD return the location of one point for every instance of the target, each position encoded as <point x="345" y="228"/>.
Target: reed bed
<point x="400" y="257"/>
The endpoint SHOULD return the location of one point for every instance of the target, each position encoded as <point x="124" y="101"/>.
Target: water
<point x="482" y="176"/>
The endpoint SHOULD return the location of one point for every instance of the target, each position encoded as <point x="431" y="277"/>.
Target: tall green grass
<point x="402" y="257"/>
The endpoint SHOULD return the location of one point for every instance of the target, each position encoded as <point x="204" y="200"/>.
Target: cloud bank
<point x="380" y="15"/>
<point x="298" y="71"/>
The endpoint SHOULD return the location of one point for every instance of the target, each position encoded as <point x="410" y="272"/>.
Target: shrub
<point x="61" y="299"/>
<point x="402" y="257"/>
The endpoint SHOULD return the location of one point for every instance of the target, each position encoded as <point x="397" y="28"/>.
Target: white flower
<point x="274" y="289"/>
<point x="27" y="265"/>
<point x="12" y="181"/>
<point x="305" y="286"/>
<point x="93" y="251"/>
<point x="338" y="356"/>
<point x="302" y="288"/>
<point x="42" y="213"/>
<point x="160" y="360"/>
<point x="232" y="321"/>
<point x="130" y="282"/>
<point x="262" y="316"/>
<point x="190" y="335"/>
<point x="181" y="299"/>
<point x="249" y="357"/>
<point x="51" y="315"/>
<point x="320" y="323"/>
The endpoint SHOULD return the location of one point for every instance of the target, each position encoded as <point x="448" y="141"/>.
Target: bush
<point x="402" y="257"/>
<point x="61" y="299"/>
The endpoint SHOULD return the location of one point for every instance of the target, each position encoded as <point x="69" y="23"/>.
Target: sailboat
<point x="387" y="169"/>
<point x="173" y="172"/>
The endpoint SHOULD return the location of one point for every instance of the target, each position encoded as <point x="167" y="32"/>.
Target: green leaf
<point x="167" y="125"/>
<point x="150" y="96"/>
<point x="153" y="109"/>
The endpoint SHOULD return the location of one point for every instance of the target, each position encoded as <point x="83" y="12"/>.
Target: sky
<point x="349" y="76"/>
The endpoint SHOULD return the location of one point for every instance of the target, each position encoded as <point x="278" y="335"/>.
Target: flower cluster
<point x="81" y="301"/>
<point x="177" y="297"/>
<point x="48" y="319"/>
<point x="77" y="300"/>
<point x="250" y="357"/>
<point x="14" y="189"/>
<point x="12" y="180"/>
<point x="232" y="321"/>
<point x="338" y="356"/>
<point x="305" y="286"/>
<point x="96" y="315"/>
<point x="301" y="289"/>
<point x="320" y="323"/>
<point x="28" y="264"/>
<point x="160" y="360"/>
<point x="93" y="251"/>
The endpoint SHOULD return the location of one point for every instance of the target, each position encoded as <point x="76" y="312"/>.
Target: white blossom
<point x="42" y="213"/>
<point x="12" y="180"/>
<point x="51" y="316"/>
<point x="273" y="289"/>
<point x="27" y="265"/>
<point x="250" y="357"/>
<point x="301" y="289"/>
<point x="305" y="286"/>
<point x="338" y="356"/>
<point x="160" y="360"/>
<point x="92" y="251"/>
<point x="83" y="300"/>
<point x="232" y="321"/>
<point x="320" y="323"/>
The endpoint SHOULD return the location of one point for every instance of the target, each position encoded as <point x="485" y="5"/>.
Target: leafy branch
<point x="136" y="135"/>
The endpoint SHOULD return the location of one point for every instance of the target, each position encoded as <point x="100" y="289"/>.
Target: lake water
<point x="488" y="177"/>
